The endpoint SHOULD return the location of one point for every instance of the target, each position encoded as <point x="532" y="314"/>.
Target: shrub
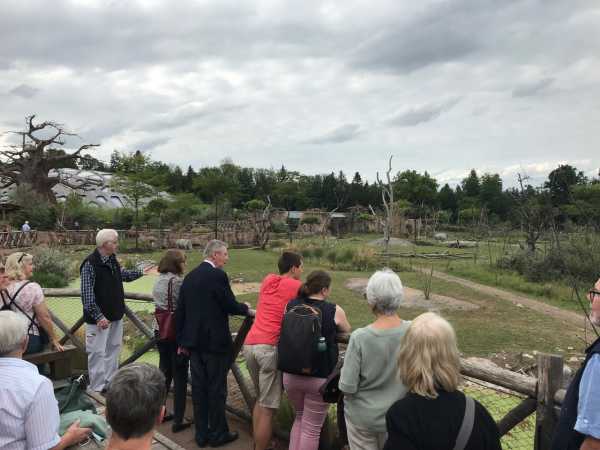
<point x="306" y="252"/>
<point x="318" y="252"/>
<point x="332" y="257"/>
<point x="52" y="268"/>
<point x="279" y="227"/>
<point x="346" y="255"/>
<point x="365" y="258"/>
<point x="276" y="243"/>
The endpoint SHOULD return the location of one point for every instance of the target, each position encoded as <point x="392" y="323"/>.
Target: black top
<point x="565" y="436"/>
<point x="328" y="330"/>
<point x="419" y="423"/>
<point x="203" y="308"/>
<point x="108" y="287"/>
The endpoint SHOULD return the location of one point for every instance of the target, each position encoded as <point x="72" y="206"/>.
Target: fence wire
<point x="499" y="401"/>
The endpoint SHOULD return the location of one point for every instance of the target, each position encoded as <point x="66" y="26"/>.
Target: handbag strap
<point x="170" y="295"/>
<point x="466" y="427"/>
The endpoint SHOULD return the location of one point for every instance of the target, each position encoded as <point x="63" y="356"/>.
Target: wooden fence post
<point x="550" y="373"/>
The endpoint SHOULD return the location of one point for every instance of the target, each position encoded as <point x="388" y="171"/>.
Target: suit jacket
<point x="203" y="308"/>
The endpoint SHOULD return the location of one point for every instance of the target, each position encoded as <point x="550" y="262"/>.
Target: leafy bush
<point x="332" y="257"/>
<point x="365" y="258"/>
<point x="52" y="268"/>
<point x="318" y="252"/>
<point x="279" y="227"/>
<point x="346" y="255"/>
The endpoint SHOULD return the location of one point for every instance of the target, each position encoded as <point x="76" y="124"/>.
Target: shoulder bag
<point x="166" y="317"/>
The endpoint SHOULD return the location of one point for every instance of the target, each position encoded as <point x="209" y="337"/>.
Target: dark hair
<point x="287" y="260"/>
<point x="134" y="399"/>
<point x="316" y="281"/>
<point x="172" y="262"/>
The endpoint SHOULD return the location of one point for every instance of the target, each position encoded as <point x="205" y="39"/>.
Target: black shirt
<point x="419" y="423"/>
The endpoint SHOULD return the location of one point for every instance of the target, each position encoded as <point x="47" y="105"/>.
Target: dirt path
<point x="552" y="311"/>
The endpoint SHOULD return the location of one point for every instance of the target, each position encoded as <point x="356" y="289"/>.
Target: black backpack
<point x="297" y="350"/>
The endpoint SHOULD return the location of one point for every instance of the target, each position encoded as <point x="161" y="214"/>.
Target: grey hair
<point x="214" y="245"/>
<point x="134" y="400"/>
<point x="384" y="292"/>
<point x="13" y="331"/>
<point x="105" y="235"/>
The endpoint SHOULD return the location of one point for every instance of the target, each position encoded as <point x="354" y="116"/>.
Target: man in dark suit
<point x="202" y="317"/>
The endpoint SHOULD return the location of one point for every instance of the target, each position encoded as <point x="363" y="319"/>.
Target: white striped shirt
<point x="29" y="415"/>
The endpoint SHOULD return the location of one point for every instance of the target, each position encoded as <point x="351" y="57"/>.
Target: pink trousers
<point x="310" y="409"/>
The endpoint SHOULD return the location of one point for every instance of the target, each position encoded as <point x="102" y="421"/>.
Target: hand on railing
<point x="56" y="345"/>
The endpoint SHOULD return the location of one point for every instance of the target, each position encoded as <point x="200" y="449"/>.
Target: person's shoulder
<point x="360" y="334"/>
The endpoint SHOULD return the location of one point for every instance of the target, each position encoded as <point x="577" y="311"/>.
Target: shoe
<point x="168" y="416"/>
<point x="224" y="439"/>
<point x="177" y="427"/>
<point x="202" y="443"/>
<point x="104" y="391"/>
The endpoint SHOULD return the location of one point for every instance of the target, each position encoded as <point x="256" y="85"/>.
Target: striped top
<point x="29" y="415"/>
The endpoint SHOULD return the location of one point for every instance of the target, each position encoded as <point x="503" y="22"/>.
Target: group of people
<point x="399" y="378"/>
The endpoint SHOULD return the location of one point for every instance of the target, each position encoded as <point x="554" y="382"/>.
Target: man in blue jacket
<point x="579" y="424"/>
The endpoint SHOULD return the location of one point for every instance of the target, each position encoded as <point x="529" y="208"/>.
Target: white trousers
<point x="103" y="348"/>
<point x="363" y="439"/>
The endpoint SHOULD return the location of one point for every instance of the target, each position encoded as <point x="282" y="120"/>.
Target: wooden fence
<point x="542" y="394"/>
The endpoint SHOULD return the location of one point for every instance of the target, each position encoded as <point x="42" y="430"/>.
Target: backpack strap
<point x="466" y="427"/>
<point x="13" y="302"/>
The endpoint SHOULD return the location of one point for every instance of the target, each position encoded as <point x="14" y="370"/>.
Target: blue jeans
<point x="36" y="345"/>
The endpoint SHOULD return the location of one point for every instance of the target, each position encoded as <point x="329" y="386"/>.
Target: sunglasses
<point x="23" y="255"/>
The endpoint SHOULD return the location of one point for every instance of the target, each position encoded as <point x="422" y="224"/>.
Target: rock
<point x="519" y="305"/>
<point x="573" y="359"/>
<point x="528" y="356"/>
<point x="440" y="236"/>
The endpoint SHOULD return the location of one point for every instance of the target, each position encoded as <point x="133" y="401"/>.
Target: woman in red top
<point x="260" y="347"/>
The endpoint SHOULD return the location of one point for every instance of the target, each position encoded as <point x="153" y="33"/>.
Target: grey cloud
<point x="338" y="135"/>
<point x="415" y="115"/>
<point x="188" y="114"/>
<point x="150" y="143"/>
<point x="532" y="88"/>
<point x="24" y="90"/>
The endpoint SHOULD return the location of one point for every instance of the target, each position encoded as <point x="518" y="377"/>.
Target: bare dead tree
<point x="326" y="221"/>
<point x="261" y="223"/>
<point x="535" y="213"/>
<point x="37" y="159"/>
<point x="387" y="197"/>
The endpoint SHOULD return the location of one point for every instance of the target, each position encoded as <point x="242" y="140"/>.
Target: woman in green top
<point x="368" y="377"/>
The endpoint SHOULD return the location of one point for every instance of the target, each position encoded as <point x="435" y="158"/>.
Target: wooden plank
<point x="501" y="377"/>
<point x="76" y="293"/>
<point x="241" y="381"/>
<point x="241" y="336"/>
<point x="138" y="323"/>
<point x="140" y="352"/>
<point x="550" y="373"/>
<point x="72" y="330"/>
<point x="74" y="339"/>
<point x="50" y="355"/>
<point x="516" y="415"/>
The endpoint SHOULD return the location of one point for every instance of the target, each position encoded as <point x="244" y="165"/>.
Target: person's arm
<point x="588" y="409"/>
<point x="45" y="320"/>
<point x="42" y="420"/>
<point x="88" y="278"/>
<point x="341" y="320"/>
<point x="228" y="302"/>
<point x="131" y="275"/>
<point x="397" y="438"/>
<point x="351" y="369"/>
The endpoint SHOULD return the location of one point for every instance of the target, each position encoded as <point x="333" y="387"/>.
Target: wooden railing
<point x="543" y="394"/>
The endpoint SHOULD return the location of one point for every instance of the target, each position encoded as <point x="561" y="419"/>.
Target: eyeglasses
<point x="23" y="255"/>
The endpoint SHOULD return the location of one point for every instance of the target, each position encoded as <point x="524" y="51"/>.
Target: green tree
<point x="130" y="180"/>
<point x="560" y="183"/>
<point x="419" y="189"/>
<point x="470" y="184"/>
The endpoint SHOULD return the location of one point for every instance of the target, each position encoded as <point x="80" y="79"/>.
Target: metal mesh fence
<point x="499" y="401"/>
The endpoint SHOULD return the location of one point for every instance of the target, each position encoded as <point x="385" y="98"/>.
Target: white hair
<point x="13" y="331"/>
<point x="384" y="292"/>
<point x="105" y="235"/>
<point x="214" y="246"/>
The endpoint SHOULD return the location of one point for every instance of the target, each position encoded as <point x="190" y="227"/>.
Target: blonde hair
<point x="428" y="358"/>
<point x="14" y="265"/>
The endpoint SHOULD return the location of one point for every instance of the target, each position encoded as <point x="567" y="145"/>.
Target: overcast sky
<point x="498" y="85"/>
